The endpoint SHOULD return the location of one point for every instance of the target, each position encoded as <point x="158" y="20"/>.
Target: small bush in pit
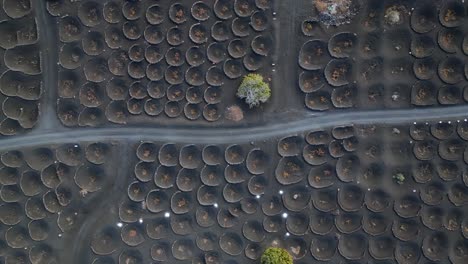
<point x="234" y="113"/>
<point x="399" y="178"/>
<point x="254" y="90"/>
<point x="276" y="256"/>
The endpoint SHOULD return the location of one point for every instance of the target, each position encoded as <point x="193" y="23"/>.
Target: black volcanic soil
<point x="47" y="194"/>
<point x="347" y="194"/>
<point x="202" y="45"/>
<point x="384" y="49"/>
<point x="20" y="74"/>
<point x="249" y="196"/>
<point x="349" y="54"/>
<point x="345" y="55"/>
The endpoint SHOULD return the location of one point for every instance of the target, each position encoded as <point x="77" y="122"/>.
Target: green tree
<point x="254" y="90"/>
<point x="274" y="255"/>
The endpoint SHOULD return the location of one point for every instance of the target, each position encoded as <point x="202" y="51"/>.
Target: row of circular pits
<point x="318" y="178"/>
<point x="426" y="171"/>
<point x="338" y="72"/>
<point x="261" y="45"/>
<point x="422" y="19"/>
<point x="354" y="247"/>
<point x="192" y="157"/>
<point x="89" y="178"/>
<point x="19" y="84"/>
<point x="425" y="18"/>
<point x="167" y="155"/>
<point x="96" y="70"/>
<point x="435" y="192"/>
<point x="420" y="46"/>
<point x="195" y="56"/>
<point x="407" y="207"/>
<point x="292" y="168"/>
<point x="49" y="171"/>
<point x="40" y="253"/>
<point x="22" y="87"/>
<point x="343" y="97"/>
<point x="92" y="13"/>
<point x="40" y="158"/>
<point x="323" y="247"/>
<point x="120" y="112"/>
<point x="449" y="150"/>
<point x="403" y="251"/>
<point x="346" y="44"/>
<point x="183" y="201"/>
<point x="210" y="185"/>
<point x="315" y="52"/>
<point x="198" y="33"/>
<point x="174" y="56"/>
<point x="93" y="43"/>
<point x="423" y="93"/>
<point x="336" y="143"/>
<point x="94" y="94"/>
<point x="251" y="226"/>
<point x="211" y="155"/>
<point x="316" y="152"/>
<point x="191" y="111"/>
<point x="429" y="173"/>
<point x="320" y="136"/>
<point x="159" y="90"/>
<point x="449" y="40"/>
<point x="432" y="194"/>
<point x="451" y="72"/>
<point x="70" y="30"/>
<point x="439" y="131"/>
<point x="223" y="10"/>
<point x="295" y="199"/>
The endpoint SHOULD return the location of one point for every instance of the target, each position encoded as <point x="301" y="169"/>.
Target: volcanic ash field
<point x="125" y="138"/>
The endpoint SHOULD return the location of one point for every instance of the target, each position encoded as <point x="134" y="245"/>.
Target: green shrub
<point x="254" y="90"/>
<point x="276" y="256"/>
<point x="399" y="178"/>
